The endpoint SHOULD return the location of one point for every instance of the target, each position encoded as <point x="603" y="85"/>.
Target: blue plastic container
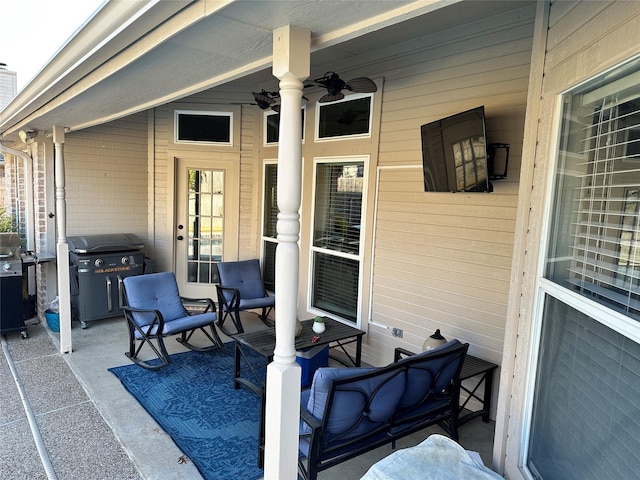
<point x="53" y="320"/>
<point x="310" y="359"/>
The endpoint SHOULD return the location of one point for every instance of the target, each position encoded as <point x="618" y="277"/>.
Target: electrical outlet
<point x="396" y="332"/>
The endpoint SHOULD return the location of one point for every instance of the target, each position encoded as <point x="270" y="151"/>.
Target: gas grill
<point x="11" y="303"/>
<point x="98" y="264"/>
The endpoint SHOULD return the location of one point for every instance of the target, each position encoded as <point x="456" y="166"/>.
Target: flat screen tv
<point x="454" y="153"/>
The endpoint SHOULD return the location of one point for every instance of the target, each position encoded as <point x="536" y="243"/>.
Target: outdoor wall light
<point x="27" y="135"/>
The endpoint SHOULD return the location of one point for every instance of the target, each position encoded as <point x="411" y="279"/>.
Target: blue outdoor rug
<point x="193" y="400"/>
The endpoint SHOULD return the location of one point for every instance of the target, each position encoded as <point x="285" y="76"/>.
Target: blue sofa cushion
<point x="359" y="406"/>
<point x="157" y="291"/>
<point x="423" y="377"/>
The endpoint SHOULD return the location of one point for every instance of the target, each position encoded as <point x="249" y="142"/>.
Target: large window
<point x="336" y="260"/>
<point x="269" y="223"/>
<point x="585" y="408"/>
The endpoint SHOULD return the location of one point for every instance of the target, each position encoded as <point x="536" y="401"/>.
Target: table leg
<point x="359" y="351"/>
<point x="486" y="402"/>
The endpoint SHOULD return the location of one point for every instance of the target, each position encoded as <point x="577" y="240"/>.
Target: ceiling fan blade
<point x="263" y="100"/>
<point x="331" y="98"/>
<point x="361" y="85"/>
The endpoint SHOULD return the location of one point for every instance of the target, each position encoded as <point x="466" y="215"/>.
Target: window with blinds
<point x="336" y="237"/>
<point x="584" y="410"/>
<point x="596" y="249"/>
<point x="269" y="226"/>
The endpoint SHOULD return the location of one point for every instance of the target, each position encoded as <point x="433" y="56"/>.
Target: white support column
<point x="62" y="247"/>
<point x="291" y="54"/>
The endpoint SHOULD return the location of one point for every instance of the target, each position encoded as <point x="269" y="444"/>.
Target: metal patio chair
<point x="154" y="309"/>
<point x="242" y="288"/>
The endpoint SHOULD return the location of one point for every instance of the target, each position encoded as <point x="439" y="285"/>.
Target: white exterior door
<point x="206" y="222"/>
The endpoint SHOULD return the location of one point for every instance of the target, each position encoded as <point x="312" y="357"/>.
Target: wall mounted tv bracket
<point x="497" y="160"/>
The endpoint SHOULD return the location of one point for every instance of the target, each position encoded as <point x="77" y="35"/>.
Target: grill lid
<point x="9" y="246"/>
<point x="111" y="242"/>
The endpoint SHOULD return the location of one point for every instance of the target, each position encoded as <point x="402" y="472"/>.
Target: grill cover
<point x="111" y="242"/>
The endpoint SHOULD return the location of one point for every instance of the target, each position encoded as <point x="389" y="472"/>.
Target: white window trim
<point x="360" y="257"/>
<point x="176" y="114"/>
<point x="347" y="98"/>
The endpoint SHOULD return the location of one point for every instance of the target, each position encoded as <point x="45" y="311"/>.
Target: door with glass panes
<point x="206" y="222"/>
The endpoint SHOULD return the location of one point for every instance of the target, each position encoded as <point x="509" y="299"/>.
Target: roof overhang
<point x="132" y="56"/>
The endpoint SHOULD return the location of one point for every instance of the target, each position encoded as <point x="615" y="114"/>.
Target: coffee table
<point x="336" y="335"/>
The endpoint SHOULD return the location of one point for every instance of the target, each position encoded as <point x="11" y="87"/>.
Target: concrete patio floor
<point x="93" y="429"/>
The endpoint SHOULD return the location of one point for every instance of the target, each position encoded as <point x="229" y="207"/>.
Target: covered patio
<point x="108" y="434"/>
<point x="332" y="193"/>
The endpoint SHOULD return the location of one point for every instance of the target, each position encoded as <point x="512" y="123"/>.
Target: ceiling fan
<point x="266" y="100"/>
<point x="335" y="85"/>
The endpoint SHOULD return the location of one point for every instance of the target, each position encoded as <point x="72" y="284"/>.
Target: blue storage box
<point x="310" y="359"/>
<point x="53" y="320"/>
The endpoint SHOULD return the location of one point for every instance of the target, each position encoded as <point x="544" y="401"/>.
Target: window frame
<point x="360" y="257"/>
<point x="269" y="113"/>
<point x="212" y="113"/>
<point x="347" y="98"/>
<point x="263" y="237"/>
<point x="547" y="288"/>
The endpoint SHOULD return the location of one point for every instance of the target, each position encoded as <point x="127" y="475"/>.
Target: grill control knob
<point x="125" y="260"/>
<point x="6" y="267"/>
<point x="99" y="262"/>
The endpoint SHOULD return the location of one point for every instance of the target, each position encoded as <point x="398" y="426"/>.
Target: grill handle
<point x="109" y="301"/>
<point x="120" y="291"/>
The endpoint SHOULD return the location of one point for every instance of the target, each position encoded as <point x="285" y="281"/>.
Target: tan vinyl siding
<point x="443" y="260"/>
<point x="163" y="238"/>
<point x="106" y="178"/>
<point x="250" y="185"/>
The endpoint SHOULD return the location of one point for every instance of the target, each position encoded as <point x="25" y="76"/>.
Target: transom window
<point x="203" y="127"/>
<point x="346" y="118"/>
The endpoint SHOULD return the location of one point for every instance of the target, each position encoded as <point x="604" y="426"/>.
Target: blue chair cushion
<point x="359" y="406"/>
<point x="244" y="275"/>
<point x="180" y="325"/>
<point x="155" y="291"/>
